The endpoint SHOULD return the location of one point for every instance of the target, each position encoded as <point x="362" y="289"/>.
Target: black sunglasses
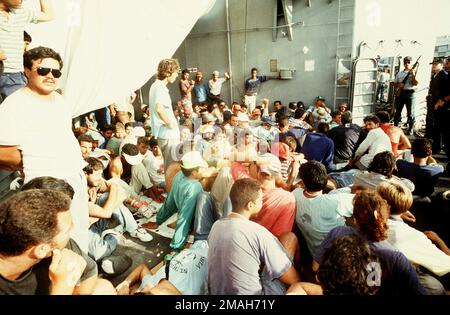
<point x="44" y="71"/>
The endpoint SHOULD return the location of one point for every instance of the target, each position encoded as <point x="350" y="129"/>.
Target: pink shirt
<point x="278" y="211"/>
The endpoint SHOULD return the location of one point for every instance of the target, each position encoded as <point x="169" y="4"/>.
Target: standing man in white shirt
<point x="13" y="19"/>
<point x="35" y="117"/>
<point x="215" y="85"/>
<point x="376" y="141"/>
<point x="163" y="122"/>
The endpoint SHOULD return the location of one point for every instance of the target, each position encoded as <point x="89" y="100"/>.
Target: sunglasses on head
<point x="44" y="71"/>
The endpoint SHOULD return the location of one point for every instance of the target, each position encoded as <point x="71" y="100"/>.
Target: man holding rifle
<point x="405" y="84"/>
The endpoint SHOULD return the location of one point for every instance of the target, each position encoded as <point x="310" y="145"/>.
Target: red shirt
<point x="278" y="211"/>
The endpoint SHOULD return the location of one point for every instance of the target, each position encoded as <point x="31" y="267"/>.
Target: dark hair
<point x="85" y="138"/>
<point x="277" y="101"/>
<point x="51" y="183"/>
<point x="243" y="106"/>
<point x="184" y="71"/>
<point x="107" y="128"/>
<point x="283" y="122"/>
<point x="313" y="175"/>
<point x="27" y="37"/>
<point x="299" y="112"/>
<point x="253" y="69"/>
<point x="383" y="116"/>
<point x="371" y="212"/>
<point x="335" y="113"/>
<point x="143" y="140"/>
<point x="344" y="267"/>
<point x="129" y="124"/>
<point x="323" y="127"/>
<point x="300" y="104"/>
<point x="29" y="218"/>
<point x="94" y="164"/>
<point x="383" y="163"/>
<point x="130" y="149"/>
<point x="407" y="59"/>
<point x="372" y="118"/>
<point x="346" y="117"/>
<point x="292" y="105"/>
<point x="421" y="148"/>
<point x="242" y="192"/>
<point x="40" y="53"/>
<point x="153" y="143"/>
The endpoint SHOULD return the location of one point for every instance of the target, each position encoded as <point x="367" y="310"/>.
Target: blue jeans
<point x="11" y="82"/>
<point x="406" y="99"/>
<point x="101" y="247"/>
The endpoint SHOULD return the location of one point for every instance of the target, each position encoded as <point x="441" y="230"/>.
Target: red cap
<point x="281" y="150"/>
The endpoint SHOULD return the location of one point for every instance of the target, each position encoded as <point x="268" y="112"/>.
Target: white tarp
<point x="112" y="47"/>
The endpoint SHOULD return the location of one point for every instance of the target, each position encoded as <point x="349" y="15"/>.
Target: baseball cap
<point x="216" y="72"/>
<point x="320" y="98"/>
<point x="207" y="118"/>
<point x="133" y="159"/>
<point x="192" y="160"/>
<point x="269" y="164"/>
<point x="243" y="117"/>
<point x="437" y="60"/>
<point x="281" y="150"/>
<point x="138" y="132"/>
<point x="206" y="129"/>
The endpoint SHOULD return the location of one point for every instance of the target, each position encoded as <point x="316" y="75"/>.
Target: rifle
<point x="399" y="90"/>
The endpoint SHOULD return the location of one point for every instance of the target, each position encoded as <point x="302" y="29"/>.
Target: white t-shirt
<point x="377" y="141"/>
<point x="139" y="178"/>
<point x="216" y="87"/>
<point x="159" y="93"/>
<point x="317" y="216"/>
<point x="155" y="167"/>
<point x="42" y="129"/>
<point x="417" y="247"/>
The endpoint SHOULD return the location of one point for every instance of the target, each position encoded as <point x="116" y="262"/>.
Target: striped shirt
<point x="11" y="37"/>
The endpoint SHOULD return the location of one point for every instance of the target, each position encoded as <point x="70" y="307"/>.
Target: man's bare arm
<point x="47" y="12"/>
<point x="10" y="158"/>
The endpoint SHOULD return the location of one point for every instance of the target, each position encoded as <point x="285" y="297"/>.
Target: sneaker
<point x="116" y="265"/>
<point x="141" y="234"/>
<point x="112" y="232"/>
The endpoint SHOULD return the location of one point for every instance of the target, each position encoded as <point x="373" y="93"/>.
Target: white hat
<point x="243" y="117"/>
<point x="133" y="159"/>
<point x="215" y="72"/>
<point x="192" y="160"/>
<point x="206" y="129"/>
<point x="269" y="164"/>
<point x="138" y="132"/>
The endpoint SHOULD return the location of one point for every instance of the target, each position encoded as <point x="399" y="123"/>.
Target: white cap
<point x="192" y="160"/>
<point x="216" y="72"/>
<point x="243" y="117"/>
<point x="133" y="159"/>
<point x="138" y="132"/>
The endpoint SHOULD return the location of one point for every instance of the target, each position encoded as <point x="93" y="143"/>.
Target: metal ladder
<point x="344" y="42"/>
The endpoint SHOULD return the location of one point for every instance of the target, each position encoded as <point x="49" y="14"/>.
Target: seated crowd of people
<point x="261" y="199"/>
<point x="295" y="201"/>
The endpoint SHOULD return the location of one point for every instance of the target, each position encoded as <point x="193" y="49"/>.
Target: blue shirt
<point x="319" y="147"/>
<point x="252" y="85"/>
<point x="398" y="275"/>
<point x="424" y="177"/>
<point x="201" y="92"/>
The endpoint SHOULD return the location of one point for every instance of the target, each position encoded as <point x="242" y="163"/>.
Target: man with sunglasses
<point x="31" y="119"/>
<point x="13" y="19"/>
